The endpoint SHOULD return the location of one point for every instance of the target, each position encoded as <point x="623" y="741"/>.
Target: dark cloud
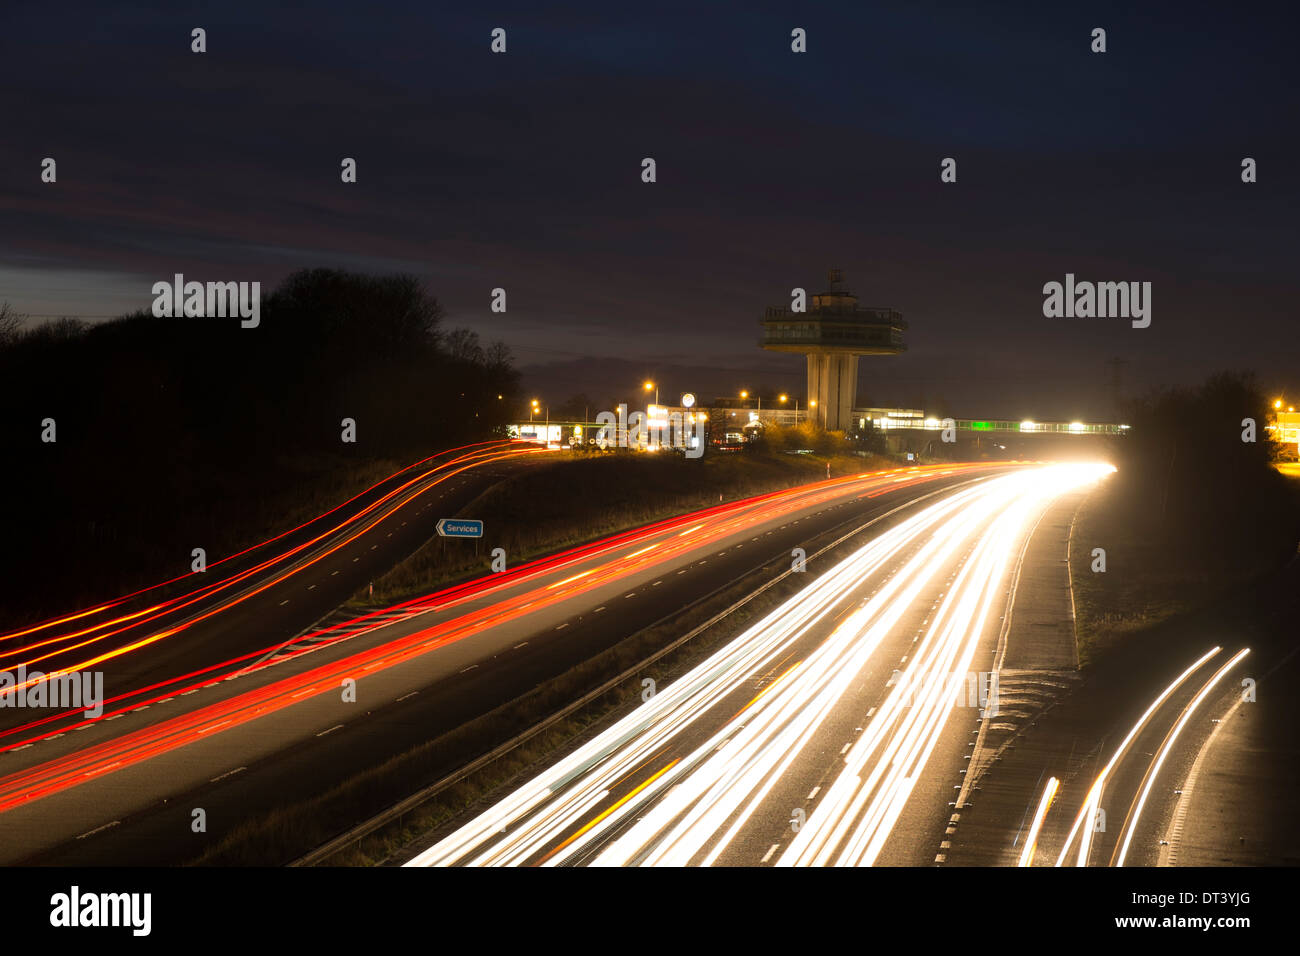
<point x="522" y="171"/>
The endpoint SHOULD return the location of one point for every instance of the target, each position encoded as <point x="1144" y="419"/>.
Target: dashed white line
<point x="97" y="829"/>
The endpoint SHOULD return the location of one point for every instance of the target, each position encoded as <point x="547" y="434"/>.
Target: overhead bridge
<point x="989" y="425"/>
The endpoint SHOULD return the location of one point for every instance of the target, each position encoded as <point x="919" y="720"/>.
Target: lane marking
<point x="97" y="829"/>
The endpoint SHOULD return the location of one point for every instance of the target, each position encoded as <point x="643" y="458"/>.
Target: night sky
<point x="522" y="170"/>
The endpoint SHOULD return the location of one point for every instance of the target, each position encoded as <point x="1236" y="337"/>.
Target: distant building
<point x="1285" y="429"/>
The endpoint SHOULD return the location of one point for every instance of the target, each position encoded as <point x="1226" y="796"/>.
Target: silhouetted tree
<point x="1187" y="476"/>
<point x="172" y="430"/>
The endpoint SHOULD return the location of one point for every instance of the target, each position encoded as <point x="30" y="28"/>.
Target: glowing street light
<point x="651" y="386"/>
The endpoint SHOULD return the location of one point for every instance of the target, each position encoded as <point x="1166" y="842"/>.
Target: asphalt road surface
<point x="123" y="789"/>
<point x="828" y="733"/>
<point x="220" y="620"/>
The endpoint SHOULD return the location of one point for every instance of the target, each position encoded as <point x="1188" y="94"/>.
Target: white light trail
<point x="1093" y="800"/>
<point x="1168" y="745"/>
<point x="1031" y="840"/>
<point x="700" y="797"/>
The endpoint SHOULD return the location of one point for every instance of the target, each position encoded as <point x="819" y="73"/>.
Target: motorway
<point x="1101" y="775"/>
<point x="284" y="725"/>
<point x="224" y="618"/>
<point x="828" y="733"/>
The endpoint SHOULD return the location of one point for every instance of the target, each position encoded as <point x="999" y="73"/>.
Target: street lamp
<point x="651" y="385"/>
<point x="534" y="409"/>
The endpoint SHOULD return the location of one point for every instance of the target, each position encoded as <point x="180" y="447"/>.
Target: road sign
<point x="460" y="528"/>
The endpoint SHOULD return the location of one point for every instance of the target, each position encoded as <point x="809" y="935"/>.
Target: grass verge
<point x="537" y="512"/>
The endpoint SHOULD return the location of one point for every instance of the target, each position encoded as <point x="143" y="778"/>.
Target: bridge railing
<point x="987" y="425"/>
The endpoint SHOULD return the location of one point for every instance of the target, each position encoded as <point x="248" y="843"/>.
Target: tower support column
<point x="833" y="384"/>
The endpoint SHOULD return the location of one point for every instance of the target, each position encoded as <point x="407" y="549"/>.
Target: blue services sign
<point x="460" y="528"/>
